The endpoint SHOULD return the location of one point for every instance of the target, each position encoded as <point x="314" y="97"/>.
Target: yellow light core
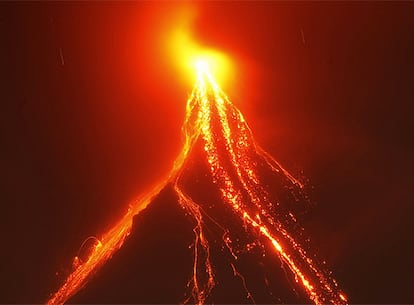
<point x="202" y="66"/>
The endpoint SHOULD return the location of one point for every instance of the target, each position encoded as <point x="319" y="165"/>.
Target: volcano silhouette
<point x="220" y="228"/>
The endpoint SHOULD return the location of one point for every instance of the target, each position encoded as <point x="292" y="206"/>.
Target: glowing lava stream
<point x="232" y="155"/>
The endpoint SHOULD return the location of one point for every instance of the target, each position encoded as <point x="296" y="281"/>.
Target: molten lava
<point x="234" y="159"/>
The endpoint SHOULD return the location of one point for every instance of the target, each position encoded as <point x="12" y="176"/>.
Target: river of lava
<point x="237" y="167"/>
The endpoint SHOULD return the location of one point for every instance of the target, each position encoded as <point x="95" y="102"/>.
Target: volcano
<point x="238" y="232"/>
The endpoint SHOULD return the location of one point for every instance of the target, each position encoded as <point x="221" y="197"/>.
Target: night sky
<point x="90" y="117"/>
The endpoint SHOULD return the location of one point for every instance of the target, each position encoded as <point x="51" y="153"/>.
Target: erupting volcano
<point x="252" y="212"/>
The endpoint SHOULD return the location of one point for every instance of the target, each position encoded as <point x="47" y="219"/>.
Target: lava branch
<point x="201" y="288"/>
<point x="245" y="193"/>
<point x="232" y="156"/>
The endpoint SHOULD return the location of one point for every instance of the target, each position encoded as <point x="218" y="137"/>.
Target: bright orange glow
<point x="232" y="156"/>
<point x="190" y="57"/>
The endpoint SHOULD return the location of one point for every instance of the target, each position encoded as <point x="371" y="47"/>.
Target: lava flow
<point x="234" y="159"/>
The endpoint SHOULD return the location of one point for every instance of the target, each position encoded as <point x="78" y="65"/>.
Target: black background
<point x="91" y="111"/>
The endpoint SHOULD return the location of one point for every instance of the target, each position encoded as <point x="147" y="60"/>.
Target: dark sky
<point x="91" y="109"/>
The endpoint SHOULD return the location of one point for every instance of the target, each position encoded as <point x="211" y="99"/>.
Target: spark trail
<point x="234" y="159"/>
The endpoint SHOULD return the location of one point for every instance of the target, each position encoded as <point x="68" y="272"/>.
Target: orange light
<point x="191" y="58"/>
